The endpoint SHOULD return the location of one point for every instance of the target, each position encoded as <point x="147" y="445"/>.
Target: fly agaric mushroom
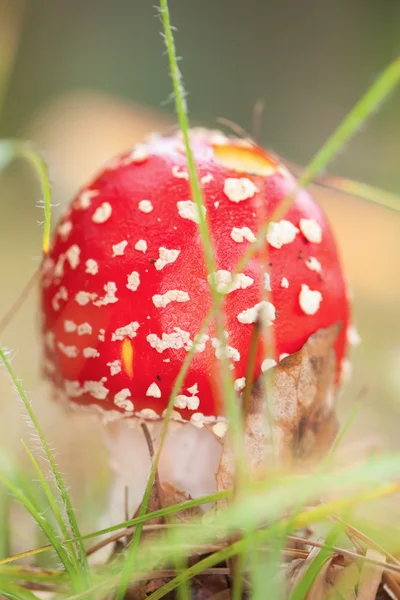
<point x="125" y="288"/>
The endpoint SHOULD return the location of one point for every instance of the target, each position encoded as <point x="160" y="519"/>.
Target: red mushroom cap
<point x="125" y="290"/>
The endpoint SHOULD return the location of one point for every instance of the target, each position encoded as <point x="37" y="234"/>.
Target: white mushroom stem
<point x="129" y="462"/>
<point x="189" y="461"/>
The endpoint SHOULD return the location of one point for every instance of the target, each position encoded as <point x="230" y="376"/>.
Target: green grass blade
<point x="217" y="298"/>
<point x="36" y="161"/>
<point x="11" y="149"/>
<point x="362" y="191"/>
<point x="50" y="498"/>
<point x="4" y="522"/>
<point x="198" y="568"/>
<point x="54" y="468"/>
<point x="279" y="543"/>
<point x="33" y="574"/>
<point x="366" y="482"/>
<point x="143" y="508"/>
<point x="26" y="500"/>
<point x="163" y="512"/>
<point x="26" y="554"/>
<point x="364" y="108"/>
<point x="377" y="93"/>
<point x="205" y="233"/>
<point x="303" y="587"/>
<point x="16" y="592"/>
<point x="208" y="247"/>
<point x="269" y="502"/>
<point x="266" y="569"/>
<point x="357" y="189"/>
<point x="183" y="590"/>
<point x="307" y="518"/>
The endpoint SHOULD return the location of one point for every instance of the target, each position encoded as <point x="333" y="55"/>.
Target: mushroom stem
<point x="129" y="462"/>
<point x="189" y="461"/>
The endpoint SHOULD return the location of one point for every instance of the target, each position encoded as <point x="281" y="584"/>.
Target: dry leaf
<point x="224" y="595"/>
<point x="321" y="585"/>
<point x="170" y="495"/>
<point x="344" y="582"/>
<point x="291" y="416"/>
<point x="391" y="585"/>
<point x="136" y="592"/>
<point x="371" y="576"/>
<point x="300" y="393"/>
<point x="385" y="593"/>
<point x="210" y="587"/>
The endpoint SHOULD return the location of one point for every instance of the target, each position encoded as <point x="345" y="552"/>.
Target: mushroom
<point x="125" y="291"/>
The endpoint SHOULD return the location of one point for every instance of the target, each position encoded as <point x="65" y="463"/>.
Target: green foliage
<point x="76" y="562"/>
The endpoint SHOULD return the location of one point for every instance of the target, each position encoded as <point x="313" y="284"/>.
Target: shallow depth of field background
<point x="91" y="78"/>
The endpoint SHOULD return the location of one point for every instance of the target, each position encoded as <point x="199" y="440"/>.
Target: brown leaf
<point x="136" y="592"/>
<point x="223" y="595"/>
<point x="170" y="495"/>
<point x="290" y="417"/>
<point x="344" y="582"/>
<point x="291" y="570"/>
<point x="391" y="584"/>
<point x="300" y="393"/>
<point x="207" y="587"/>
<point x="320" y="587"/>
<point x="371" y="576"/>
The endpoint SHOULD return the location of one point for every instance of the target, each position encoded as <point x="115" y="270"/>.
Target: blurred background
<point x="85" y="80"/>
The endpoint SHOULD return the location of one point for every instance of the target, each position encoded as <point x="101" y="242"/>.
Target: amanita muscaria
<point x="125" y="287"/>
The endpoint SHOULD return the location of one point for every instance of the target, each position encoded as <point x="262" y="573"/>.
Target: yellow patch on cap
<point x="127" y="356"/>
<point x="245" y="159"/>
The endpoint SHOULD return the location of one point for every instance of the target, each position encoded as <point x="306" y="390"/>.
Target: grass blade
<point x="11" y="149"/>
<point x="49" y="495"/>
<point x="304" y="585"/>
<point x="16" y="592"/>
<point x="204" y="230"/>
<point x="170" y="510"/>
<point x="302" y="520"/>
<point x="351" y="487"/>
<point x="352" y="188"/>
<point x="217" y="298"/>
<point x="23" y="496"/>
<point x="26" y="573"/>
<point x="56" y="473"/>
<point x="364" y="108"/>
<point x="362" y="190"/>
<point x="263" y="570"/>
<point x="4" y="523"/>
